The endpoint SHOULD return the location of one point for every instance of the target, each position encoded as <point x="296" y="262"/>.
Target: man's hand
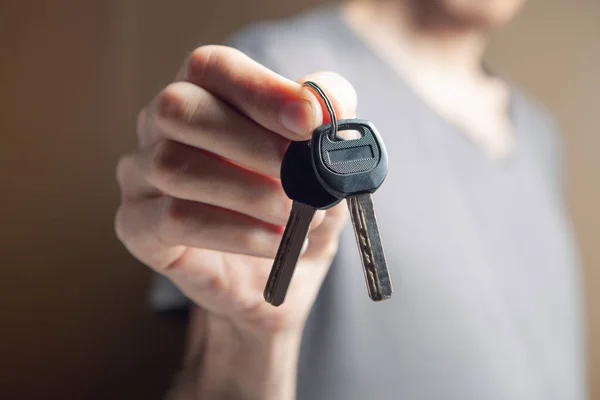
<point x="202" y="202"/>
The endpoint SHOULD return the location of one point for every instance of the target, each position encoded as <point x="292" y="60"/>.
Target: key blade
<point x="366" y="231"/>
<point x="288" y="253"/>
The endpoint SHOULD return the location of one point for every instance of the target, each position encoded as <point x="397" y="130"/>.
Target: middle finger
<point x="188" y="173"/>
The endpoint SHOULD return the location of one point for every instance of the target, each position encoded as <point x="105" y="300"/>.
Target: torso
<point x="487" y="292"/>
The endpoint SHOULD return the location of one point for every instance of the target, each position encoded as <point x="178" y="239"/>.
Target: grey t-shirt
<point x="487" y="301"/>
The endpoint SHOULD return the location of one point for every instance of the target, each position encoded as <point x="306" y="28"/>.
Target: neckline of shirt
<point x="333" y="18"/>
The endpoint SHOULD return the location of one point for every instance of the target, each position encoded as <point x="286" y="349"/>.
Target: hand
<point x="201" y="198"/>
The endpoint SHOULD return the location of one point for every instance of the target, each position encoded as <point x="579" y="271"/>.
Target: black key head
<point x="299" y="180"/>
<point x="348" y="167"/>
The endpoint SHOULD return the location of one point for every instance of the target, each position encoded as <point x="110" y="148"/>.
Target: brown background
<point x="74" y="322"/>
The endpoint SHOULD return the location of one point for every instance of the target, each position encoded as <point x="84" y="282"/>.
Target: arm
<point x="202" y="204"/>
<point x="224" y="362"/>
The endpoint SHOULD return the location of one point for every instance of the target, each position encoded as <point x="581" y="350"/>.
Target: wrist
<point x="247" y="364"/>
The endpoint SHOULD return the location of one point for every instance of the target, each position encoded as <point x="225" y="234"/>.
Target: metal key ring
<point x="328" y="105"/>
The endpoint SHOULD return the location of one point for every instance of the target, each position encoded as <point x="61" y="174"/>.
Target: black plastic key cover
<point x="347" y="167"/>
<point x="299" y="180"/>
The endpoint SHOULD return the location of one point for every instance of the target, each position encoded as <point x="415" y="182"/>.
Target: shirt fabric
<point x="487" y="302"/>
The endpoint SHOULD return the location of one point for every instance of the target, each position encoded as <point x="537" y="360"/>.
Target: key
<point x="301" y="185"/>
<point x="354" y="169"/>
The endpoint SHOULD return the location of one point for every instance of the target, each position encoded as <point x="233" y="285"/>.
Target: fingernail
<point x="298" y="116"/>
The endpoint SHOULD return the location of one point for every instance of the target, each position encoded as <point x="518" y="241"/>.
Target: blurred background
<point x="74" y="322"/>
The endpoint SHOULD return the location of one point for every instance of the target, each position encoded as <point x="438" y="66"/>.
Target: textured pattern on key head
<point x="355" y="161"/>
<point x="346" y="167"/>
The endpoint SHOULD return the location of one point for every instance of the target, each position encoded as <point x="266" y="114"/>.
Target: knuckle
<point x="175" y="214"/>
<point x="253" y="242"/>
<point x="143" y="127"/>
<point x="205" y="60"/>
<point x="119" y="223"/>
<point x="247" y="240"/>
<point x="216" y="284"/>
<point x="174" y="101"/>
<point x="168" y="163"/>
<point x="141" y="120"/>
<point x="122" y="170"/>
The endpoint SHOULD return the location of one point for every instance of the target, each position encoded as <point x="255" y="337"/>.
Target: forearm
<point x="233" y="364"/>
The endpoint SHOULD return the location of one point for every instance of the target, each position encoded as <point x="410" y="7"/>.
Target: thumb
<point x="340" y="92"/>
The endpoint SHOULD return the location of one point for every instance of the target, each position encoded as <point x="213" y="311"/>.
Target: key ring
<point x="328" y="105"/>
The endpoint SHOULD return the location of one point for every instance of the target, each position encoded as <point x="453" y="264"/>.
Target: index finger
<point x="277" y="103"/>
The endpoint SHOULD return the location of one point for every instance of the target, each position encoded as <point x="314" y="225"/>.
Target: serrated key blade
<point x="372" y="257"/>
